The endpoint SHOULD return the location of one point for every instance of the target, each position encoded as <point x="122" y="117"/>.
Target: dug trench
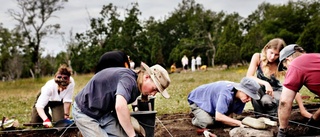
<point x="179" y="125"/>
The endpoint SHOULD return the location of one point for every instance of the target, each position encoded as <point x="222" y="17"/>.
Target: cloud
<point x="75" y="15"/>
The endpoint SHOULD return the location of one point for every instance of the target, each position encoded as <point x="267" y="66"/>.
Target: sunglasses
<point x="65" y="77"/>
<point x="284" y="68"/>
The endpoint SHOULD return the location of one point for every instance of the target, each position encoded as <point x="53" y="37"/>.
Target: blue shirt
<point x="97" y="98"/>
<point x="216" y="96"/>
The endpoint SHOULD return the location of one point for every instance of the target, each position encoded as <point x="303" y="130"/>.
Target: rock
<point x="253" y="122"/>
<point x="249" y="132"/>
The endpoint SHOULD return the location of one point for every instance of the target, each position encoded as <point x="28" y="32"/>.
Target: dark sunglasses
<point x="284" y="68"/>
<point x="65" y="77"/>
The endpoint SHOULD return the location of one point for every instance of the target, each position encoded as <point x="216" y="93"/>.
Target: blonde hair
<point x="140" y="78"/>
<point x="276" y="44"/>
<point x="141" y="74"/>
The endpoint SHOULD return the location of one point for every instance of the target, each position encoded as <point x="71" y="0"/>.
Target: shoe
<point x="191" y="115"/>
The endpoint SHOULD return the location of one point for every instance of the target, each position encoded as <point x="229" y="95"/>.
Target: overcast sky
<point x="75" y="15"/>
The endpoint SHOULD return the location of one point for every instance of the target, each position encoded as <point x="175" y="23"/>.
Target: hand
<point x="206" y="133"/>
<point x="313" y="122"/>
<point x="243" y="126"/>
<point x="269" y="89"/>
<point x="66" y="116"/>
<point x="47" y="123"/>
<point x="281" y="133"/>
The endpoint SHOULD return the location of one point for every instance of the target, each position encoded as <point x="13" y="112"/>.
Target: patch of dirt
<point x="42" y="132"/>
<point x="179" y="125"/>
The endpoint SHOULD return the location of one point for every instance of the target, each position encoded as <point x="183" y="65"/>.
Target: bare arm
<point x="252" y="70"/>
<point x="42" y="114"/>
<point x="227" y="120"/>
<point x="285" y="106"/>
<point x="303" y="110"/>
<point x="123" y="114"/>
<point x="66" y="106"/>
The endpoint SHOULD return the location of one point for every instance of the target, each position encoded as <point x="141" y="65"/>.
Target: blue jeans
<point x="106" y="126"/>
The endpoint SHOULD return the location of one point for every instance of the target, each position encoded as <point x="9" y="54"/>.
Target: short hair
<point x="64" y="70"/>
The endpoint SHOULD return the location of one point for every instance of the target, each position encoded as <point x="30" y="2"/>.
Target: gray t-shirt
<point x="97" y="98"/>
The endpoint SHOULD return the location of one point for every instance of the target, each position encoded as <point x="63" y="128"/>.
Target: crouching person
<point x="101" y="108"/>
<point x="302" y="69"/>
<point x="215" y="102"/>
<point x="56" y="95"/>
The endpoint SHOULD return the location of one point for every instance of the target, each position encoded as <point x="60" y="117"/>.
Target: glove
<point x="137" y="127"/>
<point x="47" y="123"/>
<point x="206" y="133"/>
<point x="281" y="132"/>
<point x="312" y="122"/>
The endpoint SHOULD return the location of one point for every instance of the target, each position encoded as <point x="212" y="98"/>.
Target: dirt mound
<point x="179" y="125"/>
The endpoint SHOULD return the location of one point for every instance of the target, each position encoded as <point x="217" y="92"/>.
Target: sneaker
<point x="191" y="115"/>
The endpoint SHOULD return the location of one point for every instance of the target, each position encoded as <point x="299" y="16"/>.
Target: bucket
<point x="147" y="120"/>
<point x="146" y="105"/>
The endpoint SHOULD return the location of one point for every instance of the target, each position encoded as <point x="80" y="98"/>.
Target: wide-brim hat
<point x="249" y="86"/>
<point x="159" y="76"/>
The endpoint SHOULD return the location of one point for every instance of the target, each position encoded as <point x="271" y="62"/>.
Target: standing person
<point x="302" y="70"/>
<point x="198" y="61"/>
<point x="132" y="64"/>
<point x="100" y="108"/>
<point x="265" y="66"/>
<point x="193" y="64"/>
<point x="112" y="59"/>
<point x="215" y="102"/>
<point x="184" y="62"/>
<point x="56" y="94"/>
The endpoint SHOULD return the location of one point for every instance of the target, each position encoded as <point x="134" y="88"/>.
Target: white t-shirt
<point x="198" y="60"/>
<point x="49" y="92"/>
<point x="132" y="64"/>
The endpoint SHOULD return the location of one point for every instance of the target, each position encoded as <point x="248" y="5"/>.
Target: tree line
<point x="190" y="29"/>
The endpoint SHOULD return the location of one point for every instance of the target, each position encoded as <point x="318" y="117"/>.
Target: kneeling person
<point x="56" y="94"/>
<point x="215" y="102"/>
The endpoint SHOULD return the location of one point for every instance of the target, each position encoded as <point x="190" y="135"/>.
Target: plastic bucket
<point x="146" y="105"/>
<point x="147" y="120"/>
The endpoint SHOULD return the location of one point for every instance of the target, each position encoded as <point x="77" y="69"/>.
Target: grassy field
<point x="17" y="97"/>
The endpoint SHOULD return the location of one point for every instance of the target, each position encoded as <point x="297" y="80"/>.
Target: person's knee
<point x="276" y="95"/>
<point x="202" y="123"/>
<point x="266" y="99"/>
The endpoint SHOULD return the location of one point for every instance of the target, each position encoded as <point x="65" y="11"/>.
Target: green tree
<point x="107" y="33"/>
<point x="11" y="59"/>
<point x="193" y="30"/>
<point x="32" y="19"/>
<point x="102" y="36"/>
<point x="310" y="38"/>
<point x="232" y="38"/>
<point x="228" y="54"/>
